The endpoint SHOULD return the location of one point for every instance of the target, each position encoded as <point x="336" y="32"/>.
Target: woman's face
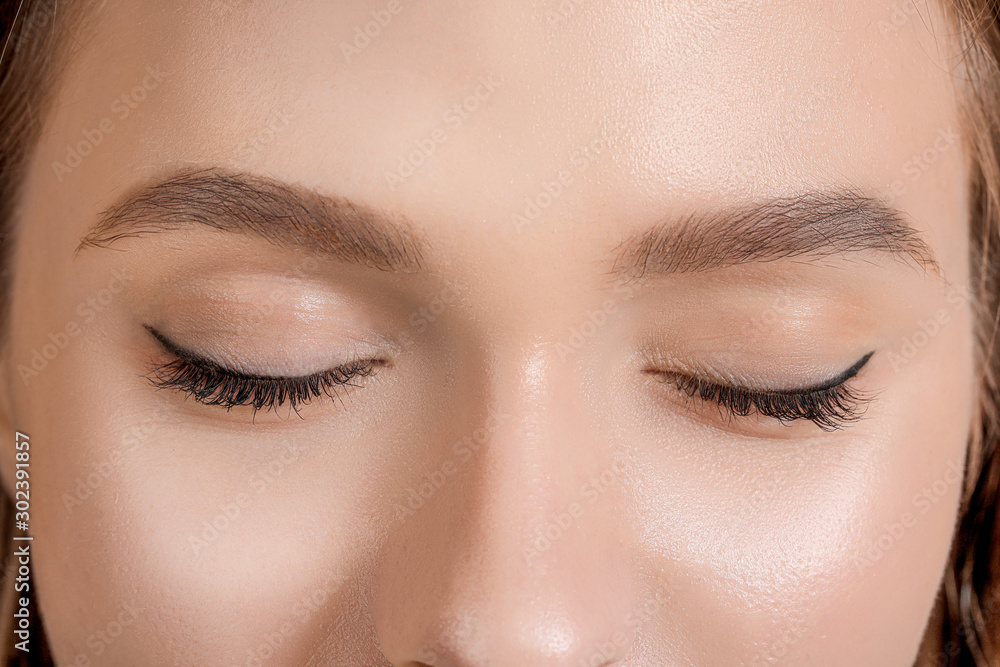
<point x="636" y="334"/>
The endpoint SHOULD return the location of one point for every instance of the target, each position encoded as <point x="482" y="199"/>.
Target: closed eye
<point x="831" y="405"/>
<point x="213" y="384"/>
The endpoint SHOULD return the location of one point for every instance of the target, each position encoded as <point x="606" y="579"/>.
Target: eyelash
<point x="831" y="406"/>
<point x="212" y="384"/>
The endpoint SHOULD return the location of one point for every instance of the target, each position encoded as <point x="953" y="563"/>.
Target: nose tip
<point x="486" y="609"/>
<point x="457" y="589"/>
<point x="541" y="638"/>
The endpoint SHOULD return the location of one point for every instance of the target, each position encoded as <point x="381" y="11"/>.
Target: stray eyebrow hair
<point x="808" y="226"/>
<point x="283" y="214"/>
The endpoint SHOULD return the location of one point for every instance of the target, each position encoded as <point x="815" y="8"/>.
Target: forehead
<point x="474" y="109"/>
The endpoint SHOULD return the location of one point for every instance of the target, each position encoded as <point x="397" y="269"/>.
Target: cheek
<point x="830" y="547"/>
<point x="761" y="540"/>
<point x="231" y="551"/>
<point x="219" y="541"/>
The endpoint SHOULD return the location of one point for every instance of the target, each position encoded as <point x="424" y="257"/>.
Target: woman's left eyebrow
<point x="811" y="225"/>
<point x="277" y="212"/>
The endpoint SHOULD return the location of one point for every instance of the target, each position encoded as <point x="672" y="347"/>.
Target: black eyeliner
<point x="212" y="384"/>
<point x="829" y="405"/>
<point x="207" y="364"/>
<point x="826" y="386"/>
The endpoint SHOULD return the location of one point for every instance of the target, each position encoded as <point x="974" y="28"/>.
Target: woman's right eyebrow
<point x="283" y="214"/>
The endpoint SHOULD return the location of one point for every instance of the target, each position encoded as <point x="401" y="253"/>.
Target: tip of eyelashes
<point x="831" y="409"/>
<point x="212" y="387"/>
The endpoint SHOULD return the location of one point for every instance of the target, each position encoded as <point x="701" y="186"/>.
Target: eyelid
<point x="210" y="383"/>
<point x="241" y="357"/>
<point x="656" y="362"/>
<point x="829" y="405"/>
<point x="208" y="364"/>
<point x="815" y="389"/>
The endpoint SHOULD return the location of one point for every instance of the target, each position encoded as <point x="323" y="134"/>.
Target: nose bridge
<point x="520" y="559"/>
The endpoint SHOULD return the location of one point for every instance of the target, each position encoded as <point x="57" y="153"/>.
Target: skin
<point x="708" y="540"/>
